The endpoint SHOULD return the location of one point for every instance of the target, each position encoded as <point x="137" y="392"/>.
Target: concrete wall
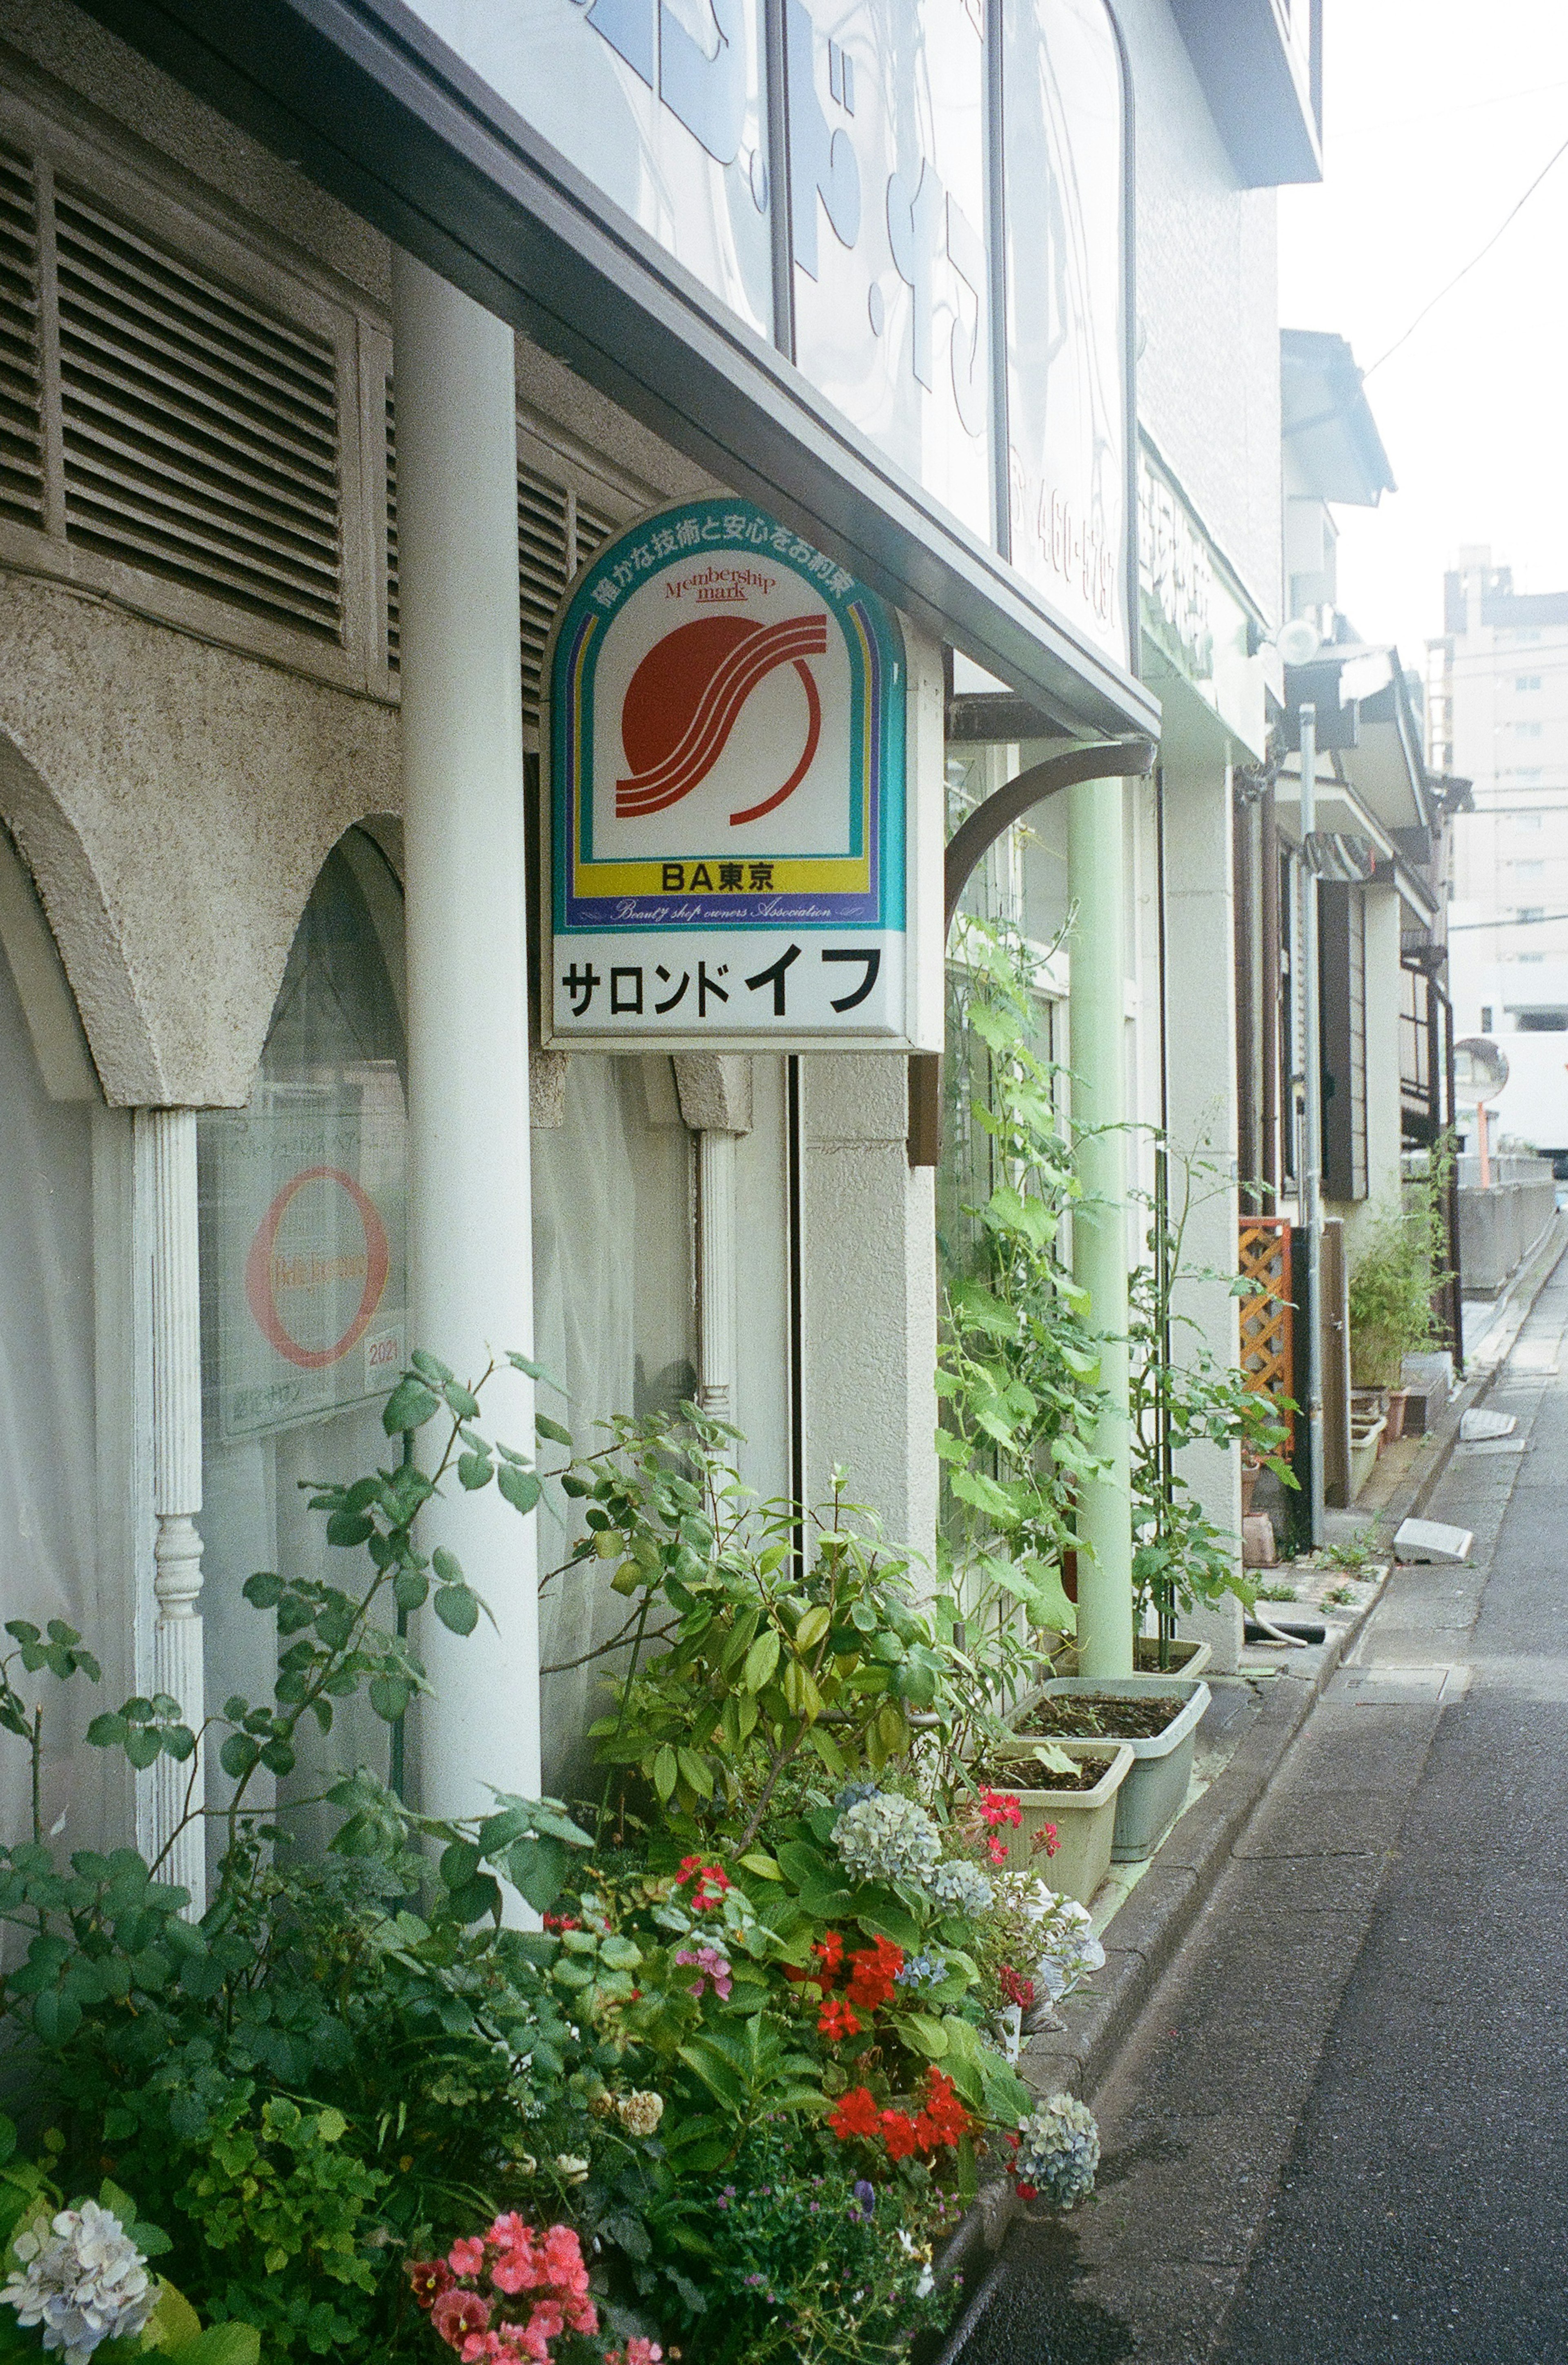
<point x="1498" y="1227"/>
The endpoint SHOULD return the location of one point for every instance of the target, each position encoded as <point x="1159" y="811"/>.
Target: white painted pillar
<point x="716" y="1271"/>
<point x="176" y="1487"/>
<point x="1097" y="1017"/>
<point x="469" y="1248"/>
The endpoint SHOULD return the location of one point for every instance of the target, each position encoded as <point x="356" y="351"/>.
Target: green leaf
<point x="447" y="1566"/>
<point x="761" y="1659"/>
<point x="409" y="1406"/>
<point x="474" y="1471"/>
<point x="460" y="1860"/>
<point x="553" y="1430"/>
<point x="666" y="1773"/>
<point x="537" y="1868"/>
<point x="457" y="1608"/>
<point x="142" y="1745"/>
<point x="108" y="1731"/>
<point x="695" y="1772"/>
<point x="263" y="1591"/>
<point x="521" y="1487"/>
<point x="239" y="1753"/>
<point x="346" y="1529"/>
<point x="460" y="1400"/>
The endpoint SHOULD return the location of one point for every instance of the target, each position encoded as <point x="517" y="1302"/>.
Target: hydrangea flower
<point x="852" y="1794"/>
<point x="886" y="1837"/>
<point x="922" y="1971"/>
<point x="960" y="1887"/>
<point x="641" y="2111"/>
<point x="83" y="2280"/>
<point x="1059" y="2151"/>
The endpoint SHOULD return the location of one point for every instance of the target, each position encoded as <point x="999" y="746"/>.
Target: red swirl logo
<point x="685" y="698"/>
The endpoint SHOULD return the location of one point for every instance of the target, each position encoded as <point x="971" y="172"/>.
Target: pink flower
<point x="458" y="2313"/>
<point x="466" y="2257"/>
<point x="712" y="1966"/>
<point x="643" y="2352"/>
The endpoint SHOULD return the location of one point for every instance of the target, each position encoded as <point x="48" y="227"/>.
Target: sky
<point x="1437" y="114"/>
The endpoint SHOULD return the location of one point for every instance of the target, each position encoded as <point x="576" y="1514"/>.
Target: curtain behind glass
<point x="52" y="1491"/>
<point x="614" y="1325"/>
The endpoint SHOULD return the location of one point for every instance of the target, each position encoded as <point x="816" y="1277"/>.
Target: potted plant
<point x="1157" y="1718"/>
<point x="1066" y="1794"/>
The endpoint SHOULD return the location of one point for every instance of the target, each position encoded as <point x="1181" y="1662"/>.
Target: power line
<point x="1534" y="920"/>
<point x="1464" y="272"/>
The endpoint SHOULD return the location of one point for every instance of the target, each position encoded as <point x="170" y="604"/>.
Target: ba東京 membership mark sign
<point x="726" y="816"/>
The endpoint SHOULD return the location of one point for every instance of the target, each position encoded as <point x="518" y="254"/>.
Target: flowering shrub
<point x="509" y="2293"/>
<point x="1058" y="2152"/>
<point x="959" y="1887"/>
<point x="941" y="2121"/>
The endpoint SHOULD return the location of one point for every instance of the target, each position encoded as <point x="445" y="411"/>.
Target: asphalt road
<point x="1340" y="2131"/>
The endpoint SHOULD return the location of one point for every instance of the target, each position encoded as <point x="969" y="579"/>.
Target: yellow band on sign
<point x="716" y="875"/>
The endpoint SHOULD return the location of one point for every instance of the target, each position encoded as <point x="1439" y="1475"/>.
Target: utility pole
<point x="1312" y="1128"/>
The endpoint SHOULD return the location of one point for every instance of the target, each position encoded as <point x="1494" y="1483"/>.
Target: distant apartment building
<point x="1498" y="714"/>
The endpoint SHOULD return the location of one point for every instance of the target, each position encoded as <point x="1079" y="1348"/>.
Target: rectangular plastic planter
<point x="1187" y="1657"/>
<point x="1085" y="1820"/>
<point x="1151" y="1796"/>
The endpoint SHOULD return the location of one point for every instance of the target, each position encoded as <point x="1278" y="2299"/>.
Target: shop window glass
<point x="304" y="1295"/>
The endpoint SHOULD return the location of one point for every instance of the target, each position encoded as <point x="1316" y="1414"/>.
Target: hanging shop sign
<point x="726" y="820"/>
<point x="305" y="1192"/>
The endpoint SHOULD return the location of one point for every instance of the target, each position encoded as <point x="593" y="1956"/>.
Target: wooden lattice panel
<point x="1268" y="1337"/>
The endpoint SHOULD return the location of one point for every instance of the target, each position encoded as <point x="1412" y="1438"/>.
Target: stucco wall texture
<point x="174" y="803"/>
<point x="1207" y="332"/>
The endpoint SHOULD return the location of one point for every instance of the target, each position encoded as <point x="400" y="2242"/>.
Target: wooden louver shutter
<point x="21" y="412"/>
<point x="200" y="431"/>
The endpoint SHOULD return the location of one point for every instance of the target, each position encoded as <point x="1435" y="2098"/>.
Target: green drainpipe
<point x="1097" y="1014"/>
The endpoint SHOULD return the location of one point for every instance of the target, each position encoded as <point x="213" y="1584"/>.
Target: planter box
<point x="1187" y="1657"/>
<point x="1156" y="1784"/>
<point x="1365" y="1447"/>
<point x="1085" y="1820"/>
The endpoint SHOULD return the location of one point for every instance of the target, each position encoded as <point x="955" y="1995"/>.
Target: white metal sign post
<point x="727" y="845"/>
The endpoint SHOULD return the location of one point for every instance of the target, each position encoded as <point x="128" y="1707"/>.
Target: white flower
<point x="886" y="1837"/>
<point x="960" y="1887"/>
<point x="571" y="2166"/>
<point x="1059" y="2150"/>
<point x="84" y="2282"/>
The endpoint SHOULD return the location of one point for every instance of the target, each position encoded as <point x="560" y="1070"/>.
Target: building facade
<point x="287" y="514"/>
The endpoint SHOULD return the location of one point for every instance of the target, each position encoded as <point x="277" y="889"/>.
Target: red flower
<point x="900" y="2134"/>
<point x="1046" y="1837"/>
<point x="837" y="2020"/>
<point x="428" y="2278"/>
<point x="873" y="1971"/>
<point x="855" y="2114"/>
<point x="709" y="1882"/>
<point x="560" y="1921"/>
<point x="996" y="1849"/>
<point x="1016" y="1987"/>
<point x="829" y="1952"/>
<point x="1000" y="1807"/>
<point x="1026" y="2192"/>
<point x="943" y="2119"/>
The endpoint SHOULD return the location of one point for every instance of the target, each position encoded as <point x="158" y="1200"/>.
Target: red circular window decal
<point x="260" y="1291"/>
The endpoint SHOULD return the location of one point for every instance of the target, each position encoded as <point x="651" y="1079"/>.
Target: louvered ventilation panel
<point x="542" y="509"/>
<point x="200" y="432"/>
<point x="592" y="529"/>
<point x="21" y="437"/>
<point x="392" y="640"/>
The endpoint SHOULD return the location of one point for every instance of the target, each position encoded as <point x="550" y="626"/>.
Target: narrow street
<point x="1339" y="2132"/>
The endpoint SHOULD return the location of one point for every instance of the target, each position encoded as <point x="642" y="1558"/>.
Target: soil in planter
<point x="1085" y="1716"/>
<point x="1028" y="1773"/>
